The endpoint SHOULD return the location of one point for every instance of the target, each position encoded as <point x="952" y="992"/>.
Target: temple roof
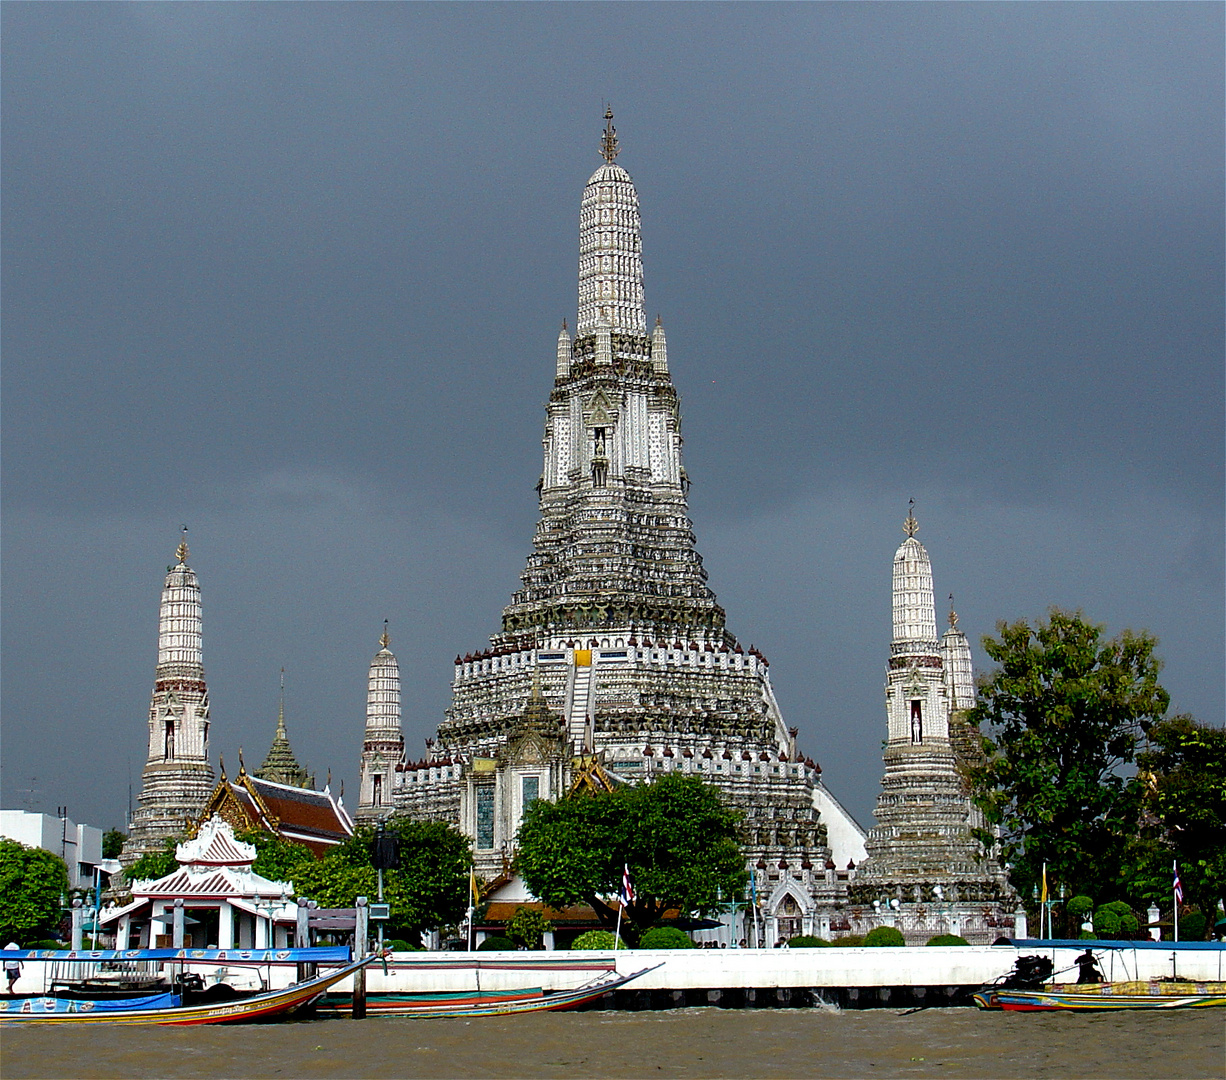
<point x="315" y="819"/>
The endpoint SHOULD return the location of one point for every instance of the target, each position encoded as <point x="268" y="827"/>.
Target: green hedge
<point x="597" y="939"/>
<point x="665" y="937"/>
<point x="807" y="941"/>
<point x="948" y="939"/>
<point x="884" y="937"/>
<point x="496" y="944"/>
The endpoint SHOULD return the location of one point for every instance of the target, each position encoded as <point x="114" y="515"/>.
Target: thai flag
<point x="1178" y="886"/>
<point x="627" y="894"/>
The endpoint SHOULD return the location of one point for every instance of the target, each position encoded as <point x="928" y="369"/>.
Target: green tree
<point x="429" y="890"/>
<point x="112" y="843"/>
<point x="276" y="859"/>
<point x="1183" y="770"/>
<point x="156" y="863"/>
<point x="677" y="838"/>
<point x="33" y="889"/>
<point x="1062" y="715"/>
<point x="527" y="927"/>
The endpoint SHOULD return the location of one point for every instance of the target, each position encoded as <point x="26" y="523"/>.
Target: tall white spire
<point x="959" y="667"/>
<point x="610" y="248"/>
<point x="383" y="746"/>
<point x="915" y="617"/>
<point x="177" y="777"/>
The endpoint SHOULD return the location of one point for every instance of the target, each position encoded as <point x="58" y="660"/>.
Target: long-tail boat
<point x="76" y="1004"/>
<point x="1027" y="987"/>
<point x="478" y="1002"/>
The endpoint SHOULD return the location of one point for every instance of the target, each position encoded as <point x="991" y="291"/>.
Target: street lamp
<point x="108" y="867"/>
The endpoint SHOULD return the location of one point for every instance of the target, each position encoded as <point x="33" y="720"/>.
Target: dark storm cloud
<point x="293" y="273"/>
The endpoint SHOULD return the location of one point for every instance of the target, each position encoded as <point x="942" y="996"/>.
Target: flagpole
<point x="617" y="936"/>
<point x="1176" y="889"/>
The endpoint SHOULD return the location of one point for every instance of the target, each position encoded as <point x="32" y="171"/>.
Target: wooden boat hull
<point x="1105" y="996"/>
<point x="271" y="1005"/>
<point x="469" y="1003"/>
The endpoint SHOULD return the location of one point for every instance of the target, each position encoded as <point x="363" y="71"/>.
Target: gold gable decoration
<point x="589" y="776"/>
<point x="225" y="804"/>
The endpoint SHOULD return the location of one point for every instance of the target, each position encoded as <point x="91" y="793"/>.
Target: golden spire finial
<point x="181" y="552"/>
<point x="281" y="707"/>
<point x="608" y="144"/>
<point x="536" y="684"/>
<point x="910" y="526"/>
<point x="953" y="615"/>
<point x="385" y="640"/>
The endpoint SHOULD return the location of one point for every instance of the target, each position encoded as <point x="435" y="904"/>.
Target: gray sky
<point x="293" y="274"/>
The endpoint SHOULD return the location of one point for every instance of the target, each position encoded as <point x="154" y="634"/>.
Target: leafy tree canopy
<point x="430" y="889"/>
<point x="276" y="858"/>
<point x="1062" y="714"/>
<point x="527" y="927"/>
<point x="33" y="887"/>
<point x="678" y="840"/>
<point x="157" y="863"/>
<point x="112" y="843"/>
<point x="1184" y="773"/>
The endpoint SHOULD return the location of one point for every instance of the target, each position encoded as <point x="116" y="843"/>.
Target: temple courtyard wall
<point x="934" y="975"/>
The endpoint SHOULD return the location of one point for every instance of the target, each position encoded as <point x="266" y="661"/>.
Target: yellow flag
<point x="1043" y="898"/>
<point x="472" y="886"/>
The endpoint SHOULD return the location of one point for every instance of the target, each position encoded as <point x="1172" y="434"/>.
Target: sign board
<point x="332" y="918"/>
<point x="380" y="911"/>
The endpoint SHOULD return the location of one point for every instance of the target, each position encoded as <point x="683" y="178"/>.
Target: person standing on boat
<point x="1087" y="969"/>
<point x="12" y="966"/>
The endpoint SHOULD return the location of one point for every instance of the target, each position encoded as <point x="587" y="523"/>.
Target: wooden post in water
<point x="302" y="934"/>
<point x="361" y="936"/>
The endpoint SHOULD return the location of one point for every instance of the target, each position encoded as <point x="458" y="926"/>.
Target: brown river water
<point x="711" y="1042"/>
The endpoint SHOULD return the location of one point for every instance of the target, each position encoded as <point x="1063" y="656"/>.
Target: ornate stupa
<point x="280" y="765"/>
<point x="177" y="777"/>
<point x="926" y="873"/>
<point x="383" y="745"/>
<point x="615" y="615"/>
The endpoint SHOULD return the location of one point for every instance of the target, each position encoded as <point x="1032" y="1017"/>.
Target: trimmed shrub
<point x="807" y="941"/>
<point x="496" y="944"/>
<point x="1079" y="907"/>
<point x="1115" y="920"/>
<point x="948" y="939"/>
<point x="400" y="945"/>
<point x="1087" y="935"/>
<point x="597" y="939"/>
<point x="1192" y="926"/>
<point x="665" y="937"/>
<point x="851" y="941"/>
<point x="884" y="937"/>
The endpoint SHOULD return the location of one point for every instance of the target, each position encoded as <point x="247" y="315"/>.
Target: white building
<point x="80" y="846"/>
<point x="224" y="904"/>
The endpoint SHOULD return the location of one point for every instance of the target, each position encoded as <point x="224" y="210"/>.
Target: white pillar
<point x="1019" y="924"/>
<point x="176" y="941"/>
<point x="225" y="926"/>
<point x="76" y="923"/>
